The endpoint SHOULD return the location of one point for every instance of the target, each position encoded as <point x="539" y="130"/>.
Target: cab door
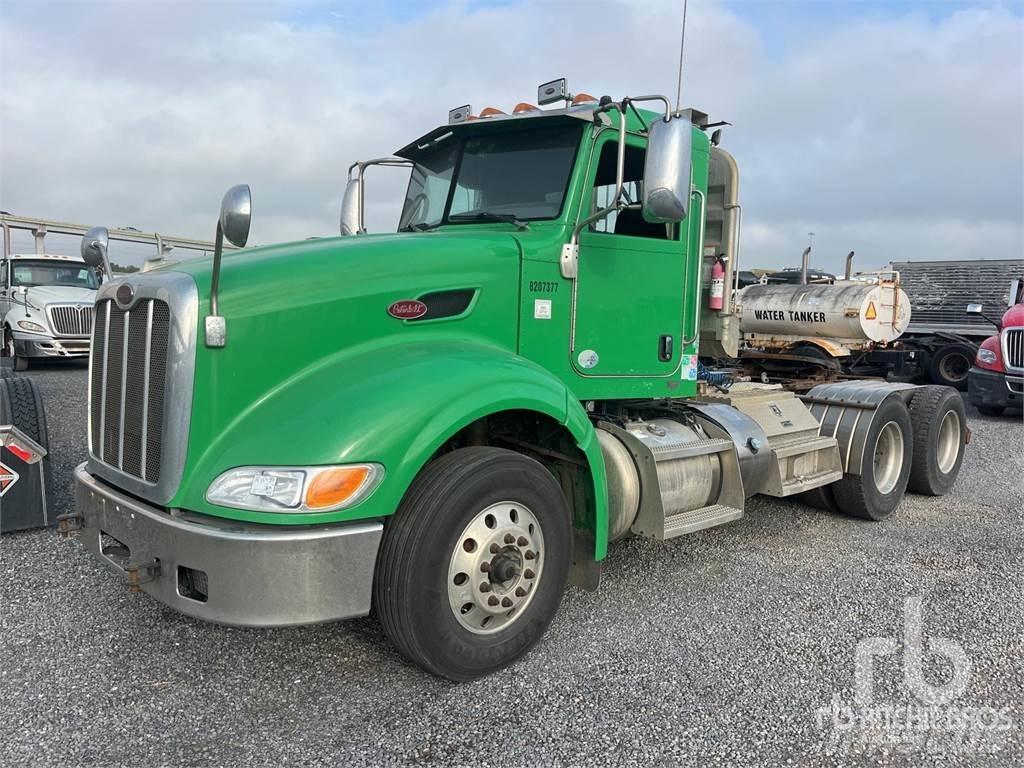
<point x="628" y="309"/>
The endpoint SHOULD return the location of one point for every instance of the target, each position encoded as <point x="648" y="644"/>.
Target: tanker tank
<point x="851" y="313"/>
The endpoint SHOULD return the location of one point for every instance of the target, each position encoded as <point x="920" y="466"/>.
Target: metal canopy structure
<point x="40" y="228"/>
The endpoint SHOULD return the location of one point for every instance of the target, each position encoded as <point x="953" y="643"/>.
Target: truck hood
<point x="42" y="295"/>
<point x="325" y="271"/>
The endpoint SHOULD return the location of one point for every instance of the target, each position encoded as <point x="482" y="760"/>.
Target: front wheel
<point x="950" y="365"/>
<point x="10" y="351"/>
<point x="474" y="562"/>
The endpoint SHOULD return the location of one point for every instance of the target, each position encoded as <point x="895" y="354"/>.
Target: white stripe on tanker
<point x="842" y="311"/>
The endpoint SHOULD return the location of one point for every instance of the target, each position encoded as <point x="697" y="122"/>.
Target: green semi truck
<point x="447" y="424"/>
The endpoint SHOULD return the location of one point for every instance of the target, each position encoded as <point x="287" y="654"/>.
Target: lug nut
<point x="528" y="573"/>
<point x="485" y="566"/>
<point x="529" y="555"/>
<point x="495" y="549"/>
<point x="492" y="600"/>
<point x="509" y="538"/>
<point x="506" y="603"/>
<point x="485" y="586"/>
<point x="520" y="592"/>
<point x="522" y="541"/>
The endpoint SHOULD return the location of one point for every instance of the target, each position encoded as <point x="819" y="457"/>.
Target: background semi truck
<point x="996" y="381"/>
<point x="475" y="406"/>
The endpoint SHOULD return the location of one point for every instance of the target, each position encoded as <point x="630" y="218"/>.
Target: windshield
<point x="32" y="273"/>
<point x="516" y="175"/>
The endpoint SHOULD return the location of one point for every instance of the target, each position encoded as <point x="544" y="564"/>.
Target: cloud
<point x="899" y="136"/>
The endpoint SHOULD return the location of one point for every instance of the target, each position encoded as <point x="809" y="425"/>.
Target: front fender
<point x="394" y="404"/>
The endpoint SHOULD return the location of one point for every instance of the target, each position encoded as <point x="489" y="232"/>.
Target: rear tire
<point x="950" y="365"/>
<point x="991" y="410"/>
<point x="940" y="431"/>
<point x="875" y="493"/>
<point x="474" y="562"/>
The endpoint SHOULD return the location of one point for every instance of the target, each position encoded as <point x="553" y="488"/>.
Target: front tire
<point x="10" y="351"/>
<point x="474" y="562"/>
<point x="875" y="493"/>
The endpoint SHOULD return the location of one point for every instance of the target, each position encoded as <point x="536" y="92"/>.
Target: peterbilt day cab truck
<point x="475" y="406"/>
<point x="46" y="305"/>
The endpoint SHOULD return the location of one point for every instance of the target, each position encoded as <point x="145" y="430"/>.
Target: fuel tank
<point x="878" y="312"/>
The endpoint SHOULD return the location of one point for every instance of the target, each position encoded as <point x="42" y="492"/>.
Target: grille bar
<point x="70" y="319"/>
<point x="1013" y="348"/>
<point x="128" y="381"/>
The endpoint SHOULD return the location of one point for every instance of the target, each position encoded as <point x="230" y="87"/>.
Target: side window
<point x="627" y="221"/>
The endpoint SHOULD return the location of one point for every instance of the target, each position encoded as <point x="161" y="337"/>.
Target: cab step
<point x="698" y="519"/>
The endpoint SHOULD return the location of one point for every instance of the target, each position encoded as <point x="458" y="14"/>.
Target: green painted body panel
<point x="316" y="372"/>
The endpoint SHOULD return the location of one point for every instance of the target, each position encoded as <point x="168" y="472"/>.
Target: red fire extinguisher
<point x="717" y="284"/>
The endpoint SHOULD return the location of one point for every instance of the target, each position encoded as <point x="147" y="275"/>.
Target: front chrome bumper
<point x="46" y="346"/>
<point x="226" y="571"/>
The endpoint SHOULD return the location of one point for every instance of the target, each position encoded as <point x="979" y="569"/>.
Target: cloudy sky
<point x="891" y="128"/>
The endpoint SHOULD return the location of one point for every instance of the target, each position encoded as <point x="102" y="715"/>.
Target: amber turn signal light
<point x="333" y="487"/>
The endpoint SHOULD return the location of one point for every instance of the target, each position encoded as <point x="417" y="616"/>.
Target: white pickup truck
<point x="46" y="306"/>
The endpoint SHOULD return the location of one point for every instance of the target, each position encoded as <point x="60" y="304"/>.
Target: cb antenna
<point x="682" y="44"/>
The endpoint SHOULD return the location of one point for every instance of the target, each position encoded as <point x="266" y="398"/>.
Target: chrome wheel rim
<point x="948" y="449"/>
<point x="496" y="567"/>
<point x="888" y="457"/>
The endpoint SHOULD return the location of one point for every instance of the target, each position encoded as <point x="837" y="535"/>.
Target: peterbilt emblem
<point x="125" y="293"/>
<point x="407" y="309"/>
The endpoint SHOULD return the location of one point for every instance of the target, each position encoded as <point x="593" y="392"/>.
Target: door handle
<point x="665" y="348"/>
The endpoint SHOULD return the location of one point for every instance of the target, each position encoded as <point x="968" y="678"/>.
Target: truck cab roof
<point x="57" y="257"/>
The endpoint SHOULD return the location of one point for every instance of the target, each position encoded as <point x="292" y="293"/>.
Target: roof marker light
<point x="490" y="112"/>
<point x="583" y="98"/>
<point x="523" y="106"/>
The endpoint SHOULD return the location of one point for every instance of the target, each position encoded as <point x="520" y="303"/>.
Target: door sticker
<point x="688" y="367"/>
<point x="588" y="358"/>
<point x="542" y="309"/>
<point x="8" y="478"/>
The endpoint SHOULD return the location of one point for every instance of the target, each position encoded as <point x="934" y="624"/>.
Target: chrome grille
<point x="1013" y="348"/>
<point x="70" y="319"/>
<point x="129" y="379"/>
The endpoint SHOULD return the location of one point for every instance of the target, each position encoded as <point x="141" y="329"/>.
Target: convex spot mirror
<point x="667" y="170"/>
<point x="94" y="247"/>
<point x="350" y="208"/>
<point x="236" y="214"/>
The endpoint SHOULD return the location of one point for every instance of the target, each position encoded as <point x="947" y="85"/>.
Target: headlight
<point x="28" y="325"/>
<point x="295" y="489"/>
<point x="986" y="356"/>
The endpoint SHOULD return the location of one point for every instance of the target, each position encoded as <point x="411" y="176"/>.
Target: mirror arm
<point x="215" y="325"/>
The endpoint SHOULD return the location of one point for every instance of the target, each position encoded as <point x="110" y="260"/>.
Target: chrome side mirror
<point x="94" y="249"/>
<point x="667" y="170"/>
<point x="236" y="214"/>
<point x="974" y="309"/>
<point x="349" y="222"/>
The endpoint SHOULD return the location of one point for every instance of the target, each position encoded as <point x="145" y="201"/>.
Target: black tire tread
<point x="404" y="530"/>
<point x="924" y="407"/>
<point x="22" y="405"/>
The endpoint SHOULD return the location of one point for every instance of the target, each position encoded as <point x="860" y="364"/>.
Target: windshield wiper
<point x="419" y="227"/>
<point x="489" y="216"/>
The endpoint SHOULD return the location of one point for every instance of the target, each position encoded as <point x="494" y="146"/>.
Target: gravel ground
<point x="726" y="647"/>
